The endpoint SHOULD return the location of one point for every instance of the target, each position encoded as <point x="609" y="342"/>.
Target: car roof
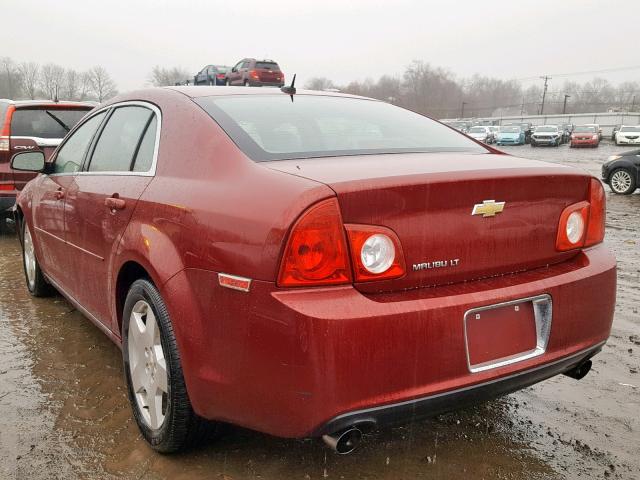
<point x="215" y="91"/>
<point x="49" y="103"/>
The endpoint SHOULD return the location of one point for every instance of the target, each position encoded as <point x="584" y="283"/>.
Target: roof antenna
<point x="291" y="89"/>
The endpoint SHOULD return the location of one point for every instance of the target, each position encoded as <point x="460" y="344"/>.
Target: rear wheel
<point x="622" y="181"/>
<point x="246" y="83"/>
<point x="155" y="382"/>
<point x="36" y="283"/>
<point x="227" y="82"/>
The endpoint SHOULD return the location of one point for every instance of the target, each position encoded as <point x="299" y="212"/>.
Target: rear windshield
<point x="52" y="123"/>
<point x="272" y="127"/>
<point x="268" y="65"/>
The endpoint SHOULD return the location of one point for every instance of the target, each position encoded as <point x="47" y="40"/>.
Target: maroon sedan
<point x="312" y="264"/>
<point x="584" y="136"/>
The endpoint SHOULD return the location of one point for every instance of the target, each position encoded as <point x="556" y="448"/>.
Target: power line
<point x="588" y="72"/>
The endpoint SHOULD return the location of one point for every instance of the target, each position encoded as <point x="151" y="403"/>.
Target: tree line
<point x="30" y="80"/>
<point x="437" y="92"/>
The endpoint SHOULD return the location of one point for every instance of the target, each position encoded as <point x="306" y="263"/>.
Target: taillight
<point x="597" y="213"/>
<point x="316" y="251"/>
<point x="220" y="75"/>
<point x="7" y="187"/>
<point x="582" y="224"/>
<point x="376" y="253"/>
<point x="572" y="226"/>
<point x="253" y="74"/>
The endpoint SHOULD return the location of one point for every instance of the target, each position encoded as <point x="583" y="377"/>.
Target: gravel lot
<point x="64" y="412"/>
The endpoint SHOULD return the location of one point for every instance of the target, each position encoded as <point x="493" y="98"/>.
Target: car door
<point x="235" y="75"/>
<point x="118" y="168"/>
<point x="49" y="201"/>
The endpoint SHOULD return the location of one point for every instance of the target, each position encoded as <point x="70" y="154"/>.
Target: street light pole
<point x="462" y="111"/>
<point x="544" y="92"/>
<point x="564" y="107"/>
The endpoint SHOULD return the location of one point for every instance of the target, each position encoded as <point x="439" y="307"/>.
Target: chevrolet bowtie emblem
<point x="488" y="208"/>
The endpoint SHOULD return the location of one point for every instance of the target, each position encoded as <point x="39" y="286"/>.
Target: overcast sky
<point x="341" y="40"/>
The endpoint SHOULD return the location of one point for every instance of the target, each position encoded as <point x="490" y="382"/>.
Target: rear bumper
<point x="436" y="404"/>
<point x="300" y="362"/>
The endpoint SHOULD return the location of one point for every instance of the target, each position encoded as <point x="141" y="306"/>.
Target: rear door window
<point x="119" y="140"/>
<point x="146" y="151"/>
<point x="71" y="154"/>
<point x="267" y="65"/>
<point x="44" y="123"/>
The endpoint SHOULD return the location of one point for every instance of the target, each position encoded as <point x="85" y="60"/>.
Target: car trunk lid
<point x="428" y="200"/>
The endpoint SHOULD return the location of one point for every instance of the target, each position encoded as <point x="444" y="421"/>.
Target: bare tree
<point x="71" y="85"/>
<point x="85" y="86"/>
<point x="11" y="78"/>
<point x="102" y="84"/>
<point x="51" y="79"/>
<point x="162" y="77"/>
<point x="30" y="78"/>
<point x="319" y="83"/>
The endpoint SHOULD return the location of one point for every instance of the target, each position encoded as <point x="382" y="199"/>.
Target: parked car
<point x="212" y="75"/>
<point x="614" y="131"/>
<point x="628" y="135"/>
<point x="255" y="73"/>
<point x="481" y="133"/>
<point x="622" y="172"/>
<point x="494" y="132"/>
<point x="526" y="127"/>
<point x="567" y="130"/>
<point x="510" y="135"/>
<point x="546" y="135"/>
<point x="274" y="264"/>
<point x="461" y="126"/>
<point x="585" y="136"/>
<point x="33" y="125"/>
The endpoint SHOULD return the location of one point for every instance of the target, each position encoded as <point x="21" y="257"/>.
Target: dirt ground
<point x="64" y="413"/>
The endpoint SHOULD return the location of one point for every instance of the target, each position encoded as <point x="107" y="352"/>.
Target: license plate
<point x="501" y="334"/>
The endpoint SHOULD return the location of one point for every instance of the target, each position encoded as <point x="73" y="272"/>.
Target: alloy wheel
<point x="147" y="365"/>
<point x="29" y="258"/>
<point x="621" y="181"/>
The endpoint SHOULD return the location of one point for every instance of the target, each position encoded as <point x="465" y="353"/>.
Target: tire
<point x="622" y="181"/>
<point x="227" y="83"/>
<point x="36" y="282"/>
<point x="4" y="224"/>
<point x="533" y="144"/>
<point x="175" y="426"/>
<point x="211" y="83"/>
<point x="246" y="83"/>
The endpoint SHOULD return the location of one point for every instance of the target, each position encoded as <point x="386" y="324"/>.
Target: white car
<point x="546" y="135"/>
<point x="481" y="133"/>
<point x="628" y="135"/>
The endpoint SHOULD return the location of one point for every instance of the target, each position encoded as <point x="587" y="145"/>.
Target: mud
<point x="64" y="413"/>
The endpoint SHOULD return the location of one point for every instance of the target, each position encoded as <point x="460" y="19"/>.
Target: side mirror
<point x="28" y="161"/>
<point x="234" y="69"/>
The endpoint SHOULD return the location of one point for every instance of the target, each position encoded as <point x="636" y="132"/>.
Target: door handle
<point x="59" y="193"/>
<point x="115" y="203"/>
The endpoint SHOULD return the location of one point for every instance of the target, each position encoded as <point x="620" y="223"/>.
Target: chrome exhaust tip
<point x="344" y="442"/>
<point x="580" y="371"/>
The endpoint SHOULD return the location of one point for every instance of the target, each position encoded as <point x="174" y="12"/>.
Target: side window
<point x="144" y="157"/>
<point x="239" y="65"/>
<point x="119" y="140"/>
<point x="70" y="156"/>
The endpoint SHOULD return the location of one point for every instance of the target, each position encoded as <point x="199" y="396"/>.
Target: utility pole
<point x="564" y="107"/>
<point x="522" y="108"/>
<point x="544" y="92"/>
<point x="462" y="111"/>
<point x="633" y="103"/>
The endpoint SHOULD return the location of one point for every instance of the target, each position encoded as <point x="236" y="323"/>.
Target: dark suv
<point x="212" y="75"/>
<point x="256" y="73"/>
<point x="31" y="126"/>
